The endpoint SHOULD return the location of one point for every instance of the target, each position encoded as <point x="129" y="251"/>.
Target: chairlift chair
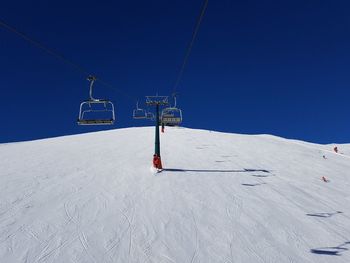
<point x="150" y="116"/>
<point x="139" y="113"/>
<point x="172" y="116"/>
<point x="96" y="111"/>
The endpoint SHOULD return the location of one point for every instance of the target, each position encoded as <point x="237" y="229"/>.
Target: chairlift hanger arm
<point x="92" y="79"/>
<point x="157" y="100"/>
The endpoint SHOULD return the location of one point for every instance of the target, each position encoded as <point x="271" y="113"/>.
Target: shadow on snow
<point x="216" y="171"/>
<point x="256" y="184"/>
<point x="325" y="214"/>
<point x="331" y="251"/>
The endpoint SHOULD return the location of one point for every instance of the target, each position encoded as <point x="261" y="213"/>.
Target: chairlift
<point x="171" y="116"/>
<point x="139" y="113"/>
<point x="96" y="111"/>
<point x="150" y="116"/>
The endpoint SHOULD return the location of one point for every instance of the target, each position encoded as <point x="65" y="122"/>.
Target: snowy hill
<point x="222" y="198"/>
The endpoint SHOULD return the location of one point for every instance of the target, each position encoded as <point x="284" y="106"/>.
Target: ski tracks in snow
<point x="56" y="240"/>
<point x="195" y="253"/>
<point x="129" y="214"/>
<point x="294" y="236"/>
<point x="129" y="228"/>
<point x="233" y="212"/>
<point x="234" y="209"/>
<point x="315" y="201"/>
<point x="76" y="219"/>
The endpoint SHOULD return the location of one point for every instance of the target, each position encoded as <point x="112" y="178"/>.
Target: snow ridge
<point x="221" y="198"/>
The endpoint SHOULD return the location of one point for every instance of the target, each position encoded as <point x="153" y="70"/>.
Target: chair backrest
<point x="96" y="112"/>
<point x="139" y="114"/>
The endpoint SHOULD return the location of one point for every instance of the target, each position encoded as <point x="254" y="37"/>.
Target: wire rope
<point x="59" y="56"/>
<point x="189" y="48"/>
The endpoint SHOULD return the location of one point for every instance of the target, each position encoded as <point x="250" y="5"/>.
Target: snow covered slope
<point x="222" y="198"/>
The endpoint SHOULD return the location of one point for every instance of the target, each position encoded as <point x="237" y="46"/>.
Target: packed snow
<point x="221" y="198"/>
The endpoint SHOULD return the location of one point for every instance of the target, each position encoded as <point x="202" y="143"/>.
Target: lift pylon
<point x="157" y="101"/>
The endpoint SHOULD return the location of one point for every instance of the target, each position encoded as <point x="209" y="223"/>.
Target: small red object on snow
<point x="157" y="163"/>
<point x="335" y="149"/>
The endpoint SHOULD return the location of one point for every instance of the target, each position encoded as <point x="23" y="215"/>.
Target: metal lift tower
<point x="157" y="101"/>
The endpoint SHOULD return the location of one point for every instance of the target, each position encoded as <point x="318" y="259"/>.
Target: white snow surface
<point x="221" y="198"/>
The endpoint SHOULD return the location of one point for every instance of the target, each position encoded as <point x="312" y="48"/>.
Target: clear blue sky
<point x="276" y="67"/>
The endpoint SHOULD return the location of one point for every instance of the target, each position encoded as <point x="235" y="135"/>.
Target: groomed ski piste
<point x="221" y="198"/>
